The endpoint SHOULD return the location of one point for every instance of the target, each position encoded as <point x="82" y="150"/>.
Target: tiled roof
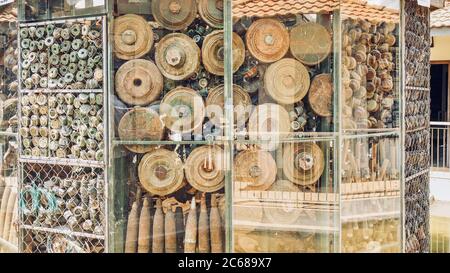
<point x="268" y="8"/>
<point x="440" y="18"/>
<point x="359" y="9"/>
<point x="8" y="13"/>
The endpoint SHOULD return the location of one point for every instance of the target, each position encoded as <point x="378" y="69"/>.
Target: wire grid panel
<point x="54" y="196"/>
<point x="35" y="241"/>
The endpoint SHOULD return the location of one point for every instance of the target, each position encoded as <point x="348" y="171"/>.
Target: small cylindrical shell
<point x="145" y="220"/>
<point x="190" y="237"/>
<point x="170" y="232"/>
<point x="132" y="230"/>
<point x="158" y="229"/>
<point x="215" y="227"/>
<point x="43" y="120"/>
<point x="203" y="228"/>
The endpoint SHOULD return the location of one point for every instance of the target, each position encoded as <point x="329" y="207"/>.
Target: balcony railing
<point x="440" y="147"/>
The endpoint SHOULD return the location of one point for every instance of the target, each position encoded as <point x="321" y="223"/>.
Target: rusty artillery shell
<point x="190" y="237"/>
<point x="132" y="230"/>
<point x="203" y="228"/>
<point x="158" y="229"/>
<point x="179" y="225"/>
<point x="144" y="238"/>
<point x="215" y="227"/>
<point x="170" y="232"/>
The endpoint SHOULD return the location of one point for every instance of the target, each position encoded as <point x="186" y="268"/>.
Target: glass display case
<point x="231" y="126"/>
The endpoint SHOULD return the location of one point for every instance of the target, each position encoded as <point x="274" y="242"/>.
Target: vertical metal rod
<point x="438" y="148"/>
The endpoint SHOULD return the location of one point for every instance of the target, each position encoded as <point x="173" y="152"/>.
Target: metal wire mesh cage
<point x="43" y="242"/>
<point x="54" y="196"/>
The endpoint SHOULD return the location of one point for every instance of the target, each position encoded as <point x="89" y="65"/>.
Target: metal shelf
<point x="50" y="91"/>
<point x="64" y="231"/>
<point x="62" y="161"/>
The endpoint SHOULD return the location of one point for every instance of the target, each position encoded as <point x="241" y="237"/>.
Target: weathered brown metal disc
<point x="213" y="51"/>
<point x="270" y="123"/>
<point x="287" y="81"/>
<point x="174" y="14"/>
<point x="303" y="163"/>
<point x="138" y="82"/>
<point x="215" y="101"/>
<point x="161" y="172"/>
<point x="267" y="40"/>
<point x="211" y="12"/>
<point x="287" y="212"/>
<point x="320" y="95"/>
<point x="177" y="56"/>
<point x="205" y="168"/>
<point x="310" y="43"/>
<point x="133" y="37"/>
<point x="182" y="110"/>
<point x="140" y="124"/>
<point x="255" y="167"/>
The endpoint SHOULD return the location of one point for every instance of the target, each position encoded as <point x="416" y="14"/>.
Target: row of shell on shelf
<point x="62" y="56"/>
<point x="371" y="159"/>
<point x="168" y="226"/>
<point x="369" y="74"/>
<point x="8" y="76"/>
<point x="75" y="201"/>
<point x="163" y="172"/>
<point x="167" y="82"/>
<point x="62" y="125"/>
<point x="379" y="235"/>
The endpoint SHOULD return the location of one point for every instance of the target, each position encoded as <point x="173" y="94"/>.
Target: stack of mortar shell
<point x="371" y="236"/>
<point x="75" y="202"/>
<point x="159" y="227"/>
<point x="62" y="56"/>
<point x="34" y="129"/>
<point x="369" y="52"/>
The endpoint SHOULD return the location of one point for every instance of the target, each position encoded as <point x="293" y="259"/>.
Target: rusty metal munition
<point x="179" y="226"/>
<point x="215" y="227"/>
<point x="170" y="232"/>
<point x="145" y="221"/>
<point x="139" y="82"/>
<point x="267" y="40"/>
<point x="320" y="95"/>
<point x="174" y="14"/>
<point x="158" y="229"/>
<point x="133" y="37"/>
<point x="211" y="12"/>
<point x="203" y="228"/>
<point x="255" y="167"/>
<point x="310" y="43"/>
<point x="132" y="230"/>
<point x="190" y="236"/>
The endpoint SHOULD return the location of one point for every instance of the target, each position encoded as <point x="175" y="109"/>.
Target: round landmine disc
<point x="310" y="43"/>
<point x="174" y="14"/>
<point x="303" y="163"/>
<point x="269" y="122"/>
<point x="182" y="110"/>
<point x="287" y="81"/>
<point x="161" y="172"/>
<point x="267" y="40"/>
<point x="138" y="82"/>
<point x="320" y="95"/>
<point x="286" y="212"/>
<point x="133" y="37"/>
<point x="177" y="56"/>
<point x="205" y="168"/>
<point x="255" y="167"/>
<point x="215" y="105"/>
<point x="140" y="124"/>
<point x="211" y="12"/>
<point x="213" y="51"/>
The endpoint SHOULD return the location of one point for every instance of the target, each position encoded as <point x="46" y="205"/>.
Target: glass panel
<point x="370" y="66"/>
<point x="284" y="200"/>
<point x="370" y="189"/>
<point x="170" y="199"/>
<point x="284" y="192"/>
<point x="170" y="157"/>
<point x="44" y="9"/>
